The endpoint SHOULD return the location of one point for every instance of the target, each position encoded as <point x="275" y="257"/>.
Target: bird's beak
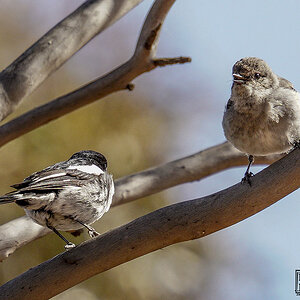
<point x="238" y="78"/>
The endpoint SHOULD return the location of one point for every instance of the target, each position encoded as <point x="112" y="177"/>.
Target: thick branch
<point x="173" y="224"/>
<point x="28" y="71"/>
<point x="21" y="231"/>
<point x="114" y="81"/>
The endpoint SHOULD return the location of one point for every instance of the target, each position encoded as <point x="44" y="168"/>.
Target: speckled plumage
<point x="68" y="195"/>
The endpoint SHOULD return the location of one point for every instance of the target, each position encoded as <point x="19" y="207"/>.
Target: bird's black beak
<point x="238" y="78"/>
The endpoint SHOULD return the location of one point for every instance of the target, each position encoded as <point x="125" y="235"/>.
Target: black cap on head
<point x="94" y="157"/>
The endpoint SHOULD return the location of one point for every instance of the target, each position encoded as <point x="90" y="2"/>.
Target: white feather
<point x="51" y="176"/>
<point x="92" y="169"/>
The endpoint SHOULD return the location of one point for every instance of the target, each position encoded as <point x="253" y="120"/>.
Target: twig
<point x="161" y="62"/>
<point x="172" y="224"/>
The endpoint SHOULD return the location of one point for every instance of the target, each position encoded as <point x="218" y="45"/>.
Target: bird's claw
<point x="93" y="233"/>
<point x="247" y="178"/>
<point x="296" y="144"/>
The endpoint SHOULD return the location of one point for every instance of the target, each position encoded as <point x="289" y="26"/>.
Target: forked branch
<point x="142" y="61"/>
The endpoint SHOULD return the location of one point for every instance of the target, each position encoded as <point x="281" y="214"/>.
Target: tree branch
<point x="28" y="71"/>
<point x="161" y="62"/>
<point x="169" y="225"/>
<point x="114" y="81"/>
<point x="187" y="169"/>
<point x="21" y="231"/>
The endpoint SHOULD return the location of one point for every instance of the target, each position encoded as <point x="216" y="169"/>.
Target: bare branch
<point x="161" y="62"/>
<point x="28" y="71"/>
<point x="187" y="169"/>
<point x="15" y="233"/>
<point x="116" y="80"/>
<point x="172" y="224"/>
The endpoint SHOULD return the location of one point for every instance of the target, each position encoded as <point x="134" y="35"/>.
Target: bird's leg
<point x="92" y="232"/>
<point x="296" y="144"/>
<point x="68" y="245"/>
<point x="248" y="174"/>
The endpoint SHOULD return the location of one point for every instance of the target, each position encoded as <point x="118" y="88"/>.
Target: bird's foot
<point x="247" y="178"/>
<point x="69" y="246"/>
<point x="296" y="145"/>
<point x="93" y="233"/>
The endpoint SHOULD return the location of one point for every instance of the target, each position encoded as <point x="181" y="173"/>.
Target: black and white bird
<point x="68" y="195"/>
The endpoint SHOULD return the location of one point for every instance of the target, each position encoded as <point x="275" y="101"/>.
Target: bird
<point x="262" y="116"/>
<point x="68" y="195"/>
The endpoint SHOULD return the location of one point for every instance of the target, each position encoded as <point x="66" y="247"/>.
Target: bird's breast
<point x="255" y="135"/>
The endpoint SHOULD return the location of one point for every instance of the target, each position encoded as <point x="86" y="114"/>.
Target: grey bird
<point x="262" y="116"/>
<point x="68" y="195"/>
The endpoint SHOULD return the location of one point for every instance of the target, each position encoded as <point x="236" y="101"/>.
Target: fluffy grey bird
<point x="262" y="116"/>
<point x="68" y="195"/>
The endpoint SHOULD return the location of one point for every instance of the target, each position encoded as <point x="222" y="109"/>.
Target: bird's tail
<point x="6" y="199"/>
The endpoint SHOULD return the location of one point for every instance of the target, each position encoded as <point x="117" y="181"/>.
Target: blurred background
<point x="173" y="112"/>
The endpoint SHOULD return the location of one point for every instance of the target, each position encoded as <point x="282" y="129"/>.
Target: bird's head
<point x="92" y="157"/>
<point x="252" y="75"/>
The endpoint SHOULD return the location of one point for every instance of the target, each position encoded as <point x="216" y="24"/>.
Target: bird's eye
<point x="257" y="75"/>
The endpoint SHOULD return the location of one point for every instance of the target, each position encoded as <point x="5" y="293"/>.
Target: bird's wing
<point x="53" y="180"/>
<point x="285" y="83"/>
<point x="55" y="171"/>
<point x="36" y="190"/>
<point x="39" y="177"/>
